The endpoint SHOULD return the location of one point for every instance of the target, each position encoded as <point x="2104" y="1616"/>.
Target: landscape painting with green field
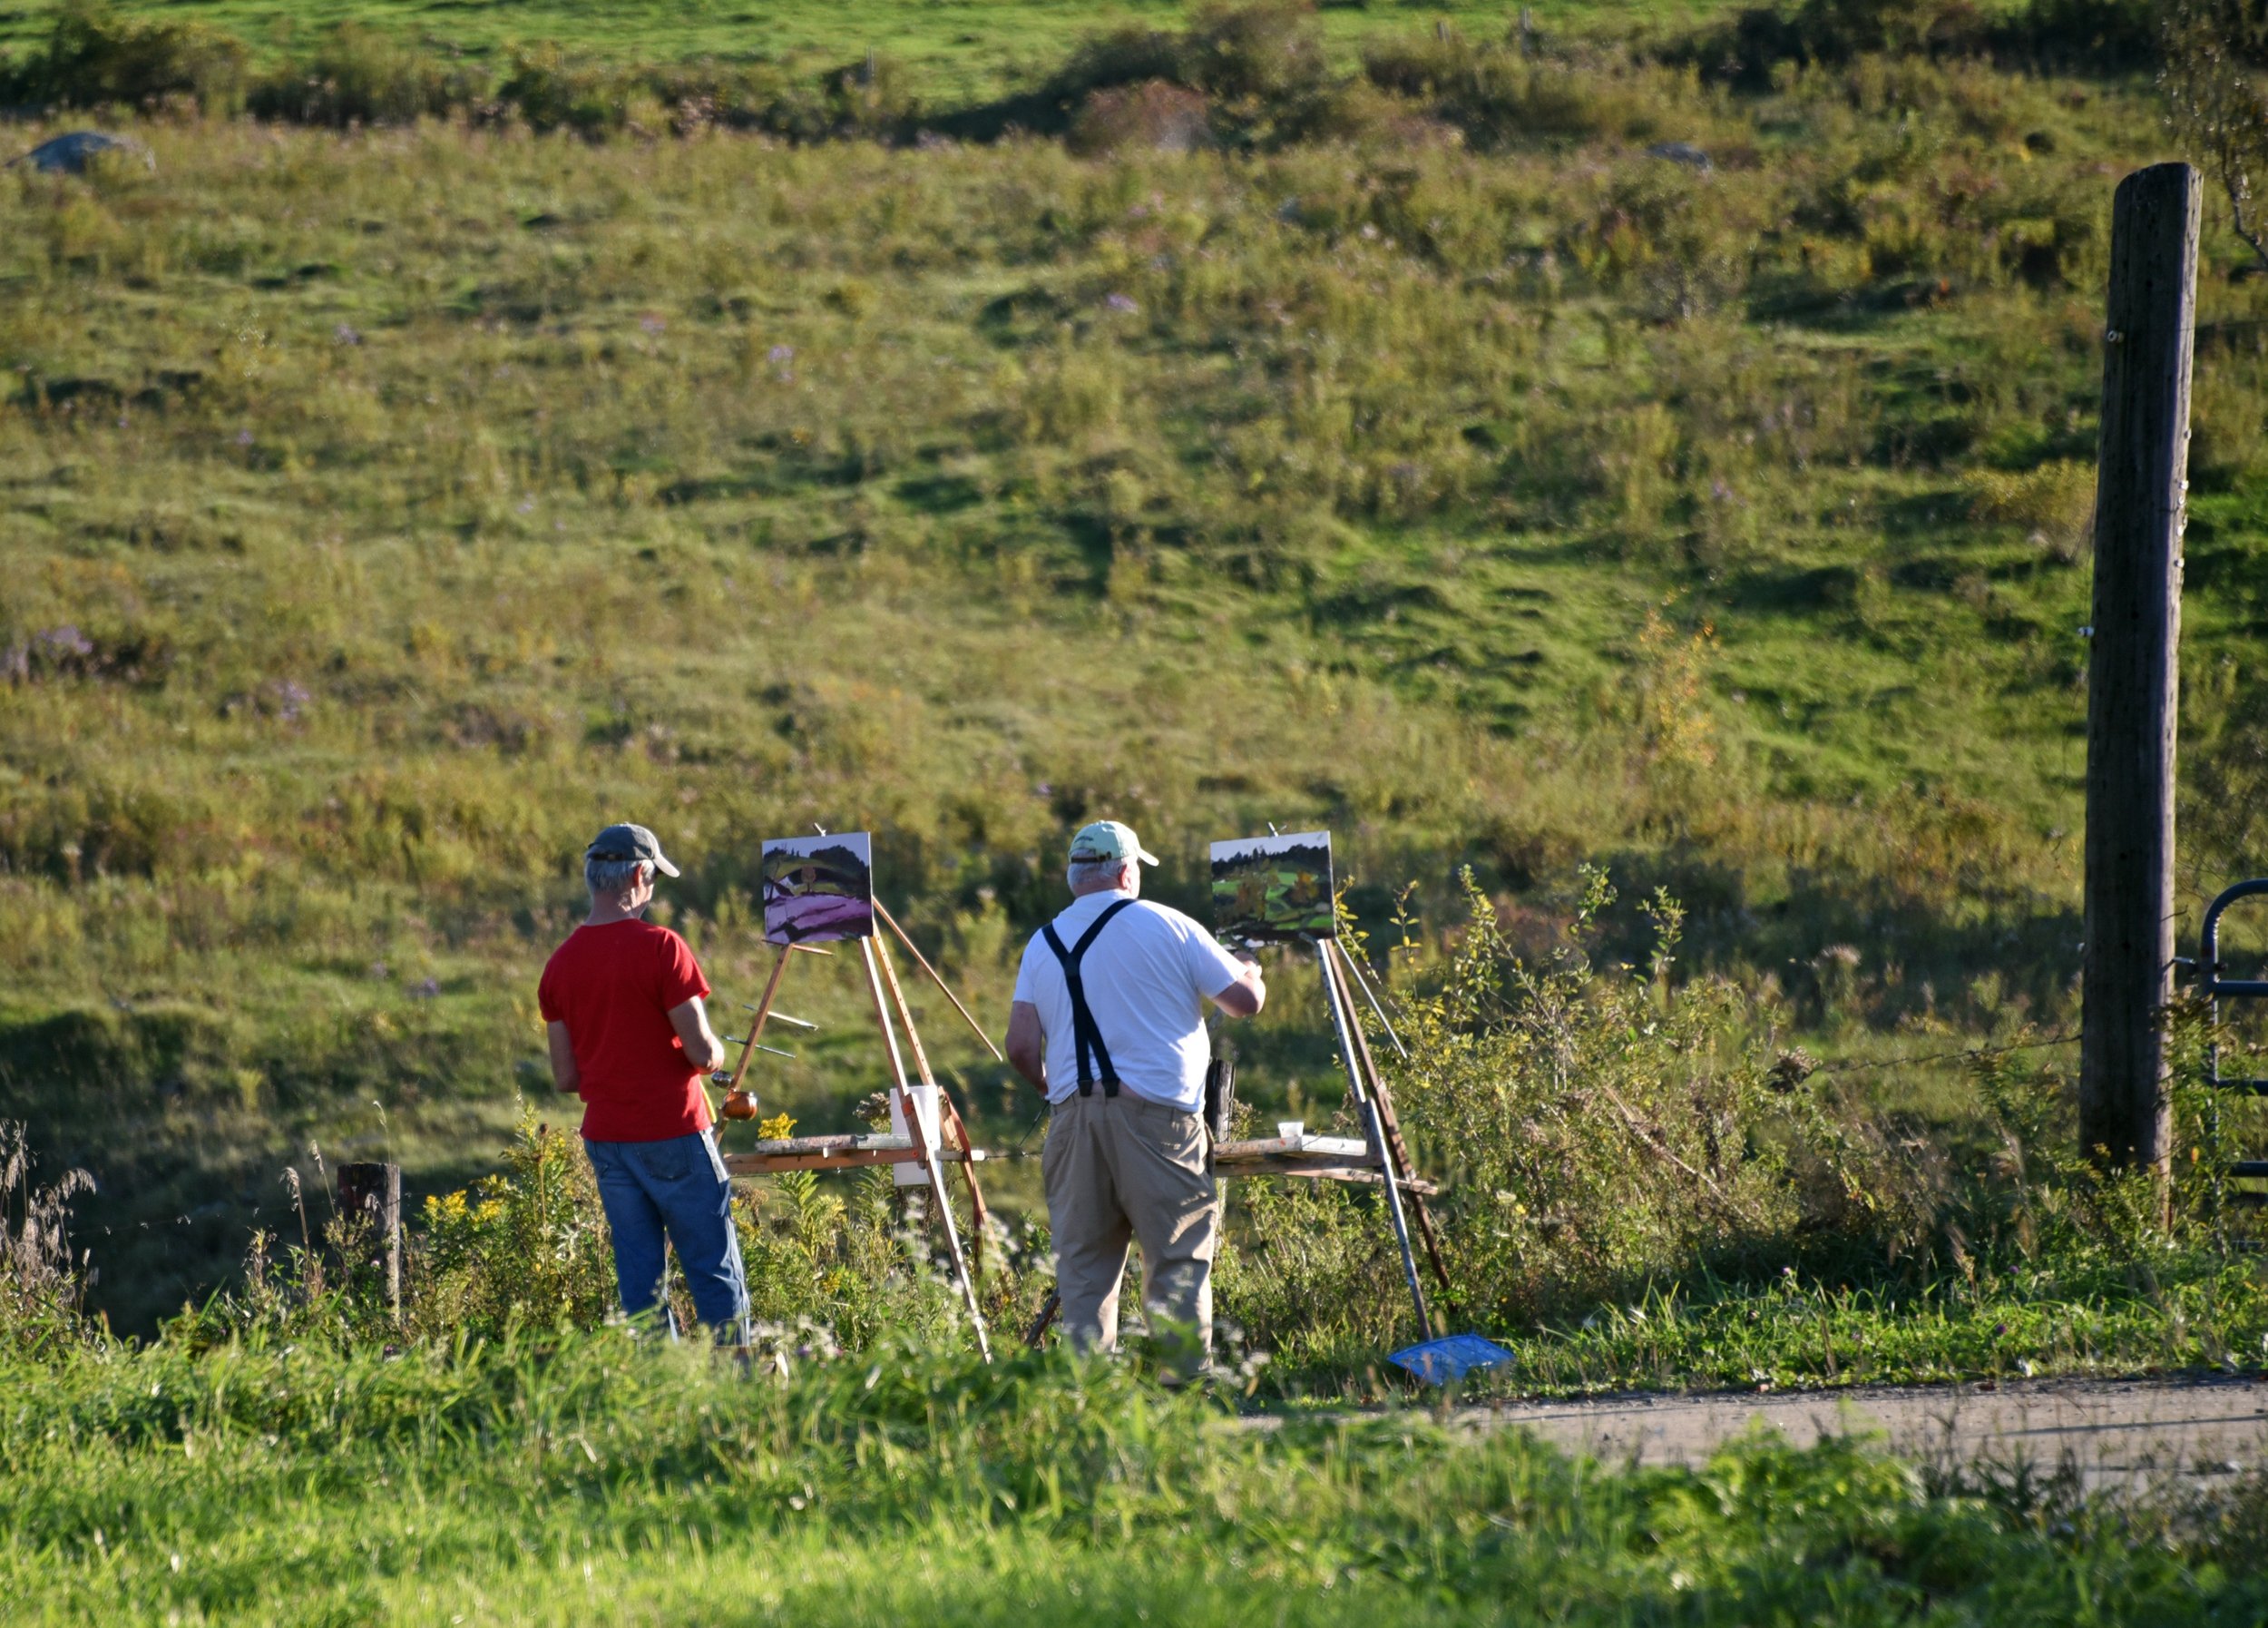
<point x="1634" y="474"/>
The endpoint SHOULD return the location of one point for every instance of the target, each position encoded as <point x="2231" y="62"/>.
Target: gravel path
<point x="2111" y="1432"/>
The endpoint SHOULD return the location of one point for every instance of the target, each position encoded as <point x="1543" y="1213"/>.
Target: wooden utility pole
<point x="2127" y="977"/>
<point x="370" y="1197"/>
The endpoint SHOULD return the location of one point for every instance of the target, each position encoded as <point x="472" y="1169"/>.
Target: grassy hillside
<point x="1425" y="459"/>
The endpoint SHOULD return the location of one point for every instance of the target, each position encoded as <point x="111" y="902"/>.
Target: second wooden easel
<point x="935" y="1134"/>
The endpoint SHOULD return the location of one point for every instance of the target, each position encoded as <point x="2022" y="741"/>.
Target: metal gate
<point x="2215" y="988"/>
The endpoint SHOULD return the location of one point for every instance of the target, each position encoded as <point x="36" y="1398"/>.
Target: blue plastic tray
<point x="1452" y="1357"/>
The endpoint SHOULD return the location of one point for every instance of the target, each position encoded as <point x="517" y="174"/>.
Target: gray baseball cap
<point x="629" y="842"/>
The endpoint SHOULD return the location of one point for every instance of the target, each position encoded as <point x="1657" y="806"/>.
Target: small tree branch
<point x="2236" y="220"/>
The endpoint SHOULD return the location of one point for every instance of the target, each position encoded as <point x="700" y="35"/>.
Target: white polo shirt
<point x="1150" y="977"/>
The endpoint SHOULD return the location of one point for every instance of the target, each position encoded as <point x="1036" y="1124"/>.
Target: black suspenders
<point x="1086" y="1039"/>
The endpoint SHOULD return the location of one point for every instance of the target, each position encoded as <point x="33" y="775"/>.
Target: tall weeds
<point x="1612" y="1135"/>
<point x="43" y="1283"/>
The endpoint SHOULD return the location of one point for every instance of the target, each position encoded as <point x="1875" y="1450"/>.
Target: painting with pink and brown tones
<point x="818" y="888"/>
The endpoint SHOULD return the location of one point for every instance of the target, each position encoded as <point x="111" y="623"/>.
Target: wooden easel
<point x="951" y="1145"/>
<point x="1381" y="1158"/>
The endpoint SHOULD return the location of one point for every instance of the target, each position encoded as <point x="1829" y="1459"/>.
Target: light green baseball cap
<point x="1108" y="840"/>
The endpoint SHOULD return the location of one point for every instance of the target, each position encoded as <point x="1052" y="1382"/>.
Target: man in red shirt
<point x="622" y="1005"/>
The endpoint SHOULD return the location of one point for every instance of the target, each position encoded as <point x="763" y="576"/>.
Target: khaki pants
<point x="1120" y="1169"/>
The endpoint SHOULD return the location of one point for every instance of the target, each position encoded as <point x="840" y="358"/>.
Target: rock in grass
<point x="1681" y="152"/>
<point x="70" y="154"/>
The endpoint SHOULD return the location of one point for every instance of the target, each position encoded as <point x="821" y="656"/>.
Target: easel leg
<point x="977" y="1211"/>
<point x="931" y="1165"/>
<point x="948" y="1116"/>
<point x="937" y="978"/>
<point x="1395" y="1147"/>
<point x="737" y="1104"/>
<point x="1342" y="1020"/>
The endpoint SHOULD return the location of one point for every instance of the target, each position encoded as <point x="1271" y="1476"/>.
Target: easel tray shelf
<point x="1317" y="1158"/>
<point x="838" y="1153"/>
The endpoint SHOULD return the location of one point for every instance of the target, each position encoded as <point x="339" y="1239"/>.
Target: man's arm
<point x="1246" y="995"/>
<point x="1027" y="1045"/>
<point x="564" y="1074"/>
<point x="703" y="1050"/>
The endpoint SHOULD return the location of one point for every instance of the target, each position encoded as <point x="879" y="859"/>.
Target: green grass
<point x="2170" y="1313"/>
<point x="956" y="48"/>
<point x="581" y="1478"/>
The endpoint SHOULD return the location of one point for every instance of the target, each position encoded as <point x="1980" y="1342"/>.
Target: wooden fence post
<point x="2126" y="977"/>
<point x="371" y="1195"/>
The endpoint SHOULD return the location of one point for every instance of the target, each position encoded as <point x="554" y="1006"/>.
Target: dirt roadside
<point x="2111" y="1432"/>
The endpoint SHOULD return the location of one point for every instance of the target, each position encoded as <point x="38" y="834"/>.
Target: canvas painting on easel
<point x="818" y="889"/>
<point x="1274" y="887"/>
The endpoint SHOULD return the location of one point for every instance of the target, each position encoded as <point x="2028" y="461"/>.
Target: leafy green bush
<point x="95" y="58"/>
<point x="1501" y="96"/>
<point x="2112" y="36"/>
<point x="1597" y="1129"/>
<point x="549" y="89"/>
<point x="525" y="1248"/>
<point x="553" y="91"/>
<point x="357" y="74"/>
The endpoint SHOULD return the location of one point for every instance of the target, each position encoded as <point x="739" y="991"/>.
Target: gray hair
<point x="611" y="877"/>
<point x="1079" y="872"/>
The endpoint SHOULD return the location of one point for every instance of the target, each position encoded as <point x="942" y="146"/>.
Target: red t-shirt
<point x="613" y="986"/>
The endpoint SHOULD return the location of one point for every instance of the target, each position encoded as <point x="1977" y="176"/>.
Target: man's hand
<point x="564" y="1074"/>
<point x="1248" y="994"/>
<point x="703" y="1050"/>
<point x="1027" y="1045"/>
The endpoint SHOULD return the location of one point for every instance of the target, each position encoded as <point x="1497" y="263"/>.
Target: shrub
<point x="527" y="1246"/>
<point x="95" y="58"/>
<point x="1598" y="1128"/>
<point x="2108" y="35"/>
<point x="550" y="89"/>
<point x="2054" y="502"/>
<point x="1156" y="115"/>
<point x="2112" y="36"/>
<point x="850" y="1271"/>
<point x="1115" y="60"/>
<point x="1501" y="96"/>
<point x="361" y="76"/>
<point x="1259" y="68"/>
<point x="1267" y="55"/>
<point x="553" y="91"/>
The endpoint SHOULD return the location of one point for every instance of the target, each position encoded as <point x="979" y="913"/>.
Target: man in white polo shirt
<point x="1109" y="1023"/>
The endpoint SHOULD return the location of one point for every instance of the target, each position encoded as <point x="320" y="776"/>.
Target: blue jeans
<point x="653" y="1190"/>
